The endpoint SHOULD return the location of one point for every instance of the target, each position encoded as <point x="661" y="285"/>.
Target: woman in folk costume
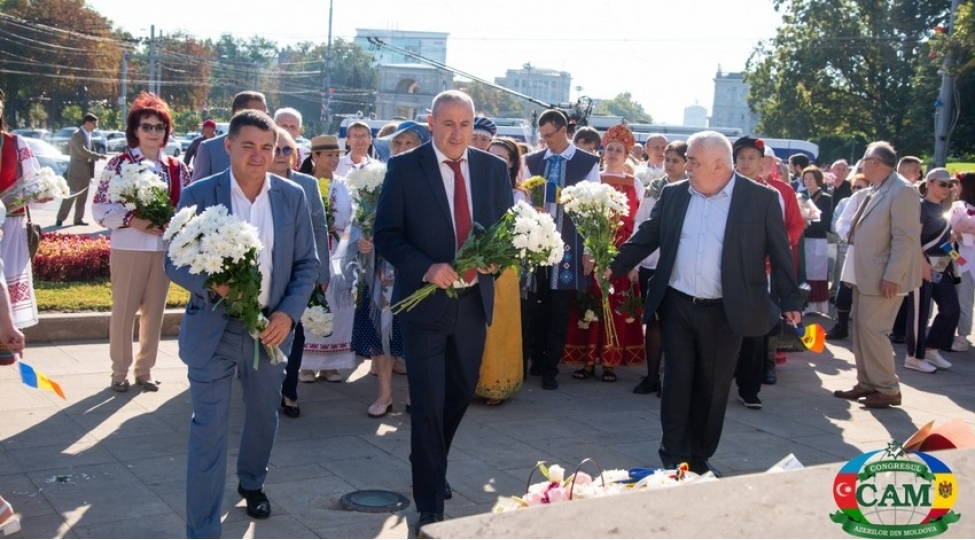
<point x="376" y="333"/>
<point x="17" y="163"/>
<point x="139" y="282"/>
<point x="325" y="356"/>
<point x="502" y="366"/>
<point x="588" y="341"/>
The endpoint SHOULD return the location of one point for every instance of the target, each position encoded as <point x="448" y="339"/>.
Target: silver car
<point x="49" y="156"/>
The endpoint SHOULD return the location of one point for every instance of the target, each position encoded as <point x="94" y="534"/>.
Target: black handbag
<point x="33" y="236"/>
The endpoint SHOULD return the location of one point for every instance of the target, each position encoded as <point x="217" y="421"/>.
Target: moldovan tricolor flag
<point x="36" y="379"/>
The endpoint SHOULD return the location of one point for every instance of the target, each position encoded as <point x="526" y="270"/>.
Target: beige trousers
<point x="139" y="284"/>
<point x="873" y="318"/>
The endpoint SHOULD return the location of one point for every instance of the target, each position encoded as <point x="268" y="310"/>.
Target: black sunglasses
<point x="287" y="150"/>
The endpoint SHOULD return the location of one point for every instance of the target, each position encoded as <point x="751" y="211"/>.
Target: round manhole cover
<point x="374" y="501"/>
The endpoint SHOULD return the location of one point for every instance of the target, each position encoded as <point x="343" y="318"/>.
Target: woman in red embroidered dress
<point x="587" y="340"/>
<point x="139" y="282"/>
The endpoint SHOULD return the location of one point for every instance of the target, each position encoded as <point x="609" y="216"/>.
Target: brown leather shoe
<point x="877" y="400"/>
<point x="854" y="393"/>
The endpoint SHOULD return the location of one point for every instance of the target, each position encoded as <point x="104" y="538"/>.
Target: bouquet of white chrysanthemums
<point x="523" y="236"/>
<point x="317" y="317"/>
<point x="141" y="191"/>
<point x="596" y="210"/>
<point x="365" y="185"/>
<point x="225" y="248"/>
<point x="41" y="186"/>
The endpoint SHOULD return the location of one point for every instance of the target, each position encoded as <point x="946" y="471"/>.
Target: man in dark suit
<point x="430" y="198"/>
<point x="212" y="156"/>
<point x="714" y="232"/>
<point x="81" y="169"/>
<point x="217" y="348"/>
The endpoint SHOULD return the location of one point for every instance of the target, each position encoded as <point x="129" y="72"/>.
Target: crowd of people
<point x="723" y="245"/>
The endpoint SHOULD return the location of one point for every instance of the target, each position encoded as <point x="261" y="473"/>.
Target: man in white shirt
<point x="358" y="138"/>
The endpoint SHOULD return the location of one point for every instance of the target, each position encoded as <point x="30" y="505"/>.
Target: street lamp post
<point x="528" y="67"/>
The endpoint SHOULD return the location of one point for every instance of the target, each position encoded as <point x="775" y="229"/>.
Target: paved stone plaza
<point x="110" y="465"/>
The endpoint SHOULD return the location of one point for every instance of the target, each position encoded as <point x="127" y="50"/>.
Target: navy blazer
<point x="293" y="276"/>
<point x="754" y="230"/>
<point x="414" y="225"/>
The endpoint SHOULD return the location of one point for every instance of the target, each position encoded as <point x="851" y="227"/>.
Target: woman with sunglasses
<point x="139" y="283"/>
<point x="923" y="342"/>
<point x="283" y="164"/>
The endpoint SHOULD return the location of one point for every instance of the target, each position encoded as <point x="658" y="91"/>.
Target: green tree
<point x="845" y="67"/>
<point x="56" y="53"/>
<point x="623" y="105"/>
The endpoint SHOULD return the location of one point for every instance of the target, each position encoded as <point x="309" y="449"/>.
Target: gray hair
<point x="451" y="96"/>
<point x="287" y="110"/>
<point x="884" y="152"/>
<point x="714" y="140"/>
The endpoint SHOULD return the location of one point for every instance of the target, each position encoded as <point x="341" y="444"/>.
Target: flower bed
<point x="71" y="257"/>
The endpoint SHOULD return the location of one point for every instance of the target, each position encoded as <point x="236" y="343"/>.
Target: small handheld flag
<point x="36" y="379"/>
<point x="813" y="337"/>
<point x="953" y="253"/>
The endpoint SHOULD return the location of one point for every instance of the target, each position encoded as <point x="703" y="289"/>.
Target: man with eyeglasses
<point x="883" y="264"/>
<point x="561" y="164"/>
<point x="358" y="139"/>
<point x="81" y="170"/>
<point x="212" y="157"/>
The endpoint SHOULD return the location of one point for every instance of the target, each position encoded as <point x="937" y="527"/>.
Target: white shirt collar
<point x="235" y="186"/>
<point x="441" y="157"/>
<point x="566" y="154"/>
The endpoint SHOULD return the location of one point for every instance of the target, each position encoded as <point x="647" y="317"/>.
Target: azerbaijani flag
<point x="813" y="337"/>
<point x="36" y="379"/>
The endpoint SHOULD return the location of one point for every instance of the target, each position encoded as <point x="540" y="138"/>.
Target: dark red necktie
<point x="462" y="213"/>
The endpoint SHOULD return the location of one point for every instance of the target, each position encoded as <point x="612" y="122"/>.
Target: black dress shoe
<point x="447" y="492"/>
<point x="703" y="466"/>
<point x="426" y="518"/>
<point x="549" y="382"/>
<point x="258" y="507"/>
<point x="838" y="331"/>
<point x="770" y="377"/>
<point x="81" y="223"/>
<point x="648" y="386"/>
<point x="290" y="411"/>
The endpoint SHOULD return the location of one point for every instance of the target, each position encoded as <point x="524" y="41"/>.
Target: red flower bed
<point x="71" y="257"/>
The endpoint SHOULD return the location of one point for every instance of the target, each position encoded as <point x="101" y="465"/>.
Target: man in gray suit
<point x="216" y="347"/>
<point x="885" y="258"/>
<point x="81" y="170"/>
<point x="212" y="157"/>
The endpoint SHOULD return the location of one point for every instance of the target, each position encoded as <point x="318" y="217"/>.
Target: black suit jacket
<point x="754" y="231"/>
<point x="414" y="225"/>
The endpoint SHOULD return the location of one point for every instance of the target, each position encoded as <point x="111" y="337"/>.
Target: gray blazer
<point x="211" y="158"/>
<point x="318" y="222"/>
<point x="292" y="278"/>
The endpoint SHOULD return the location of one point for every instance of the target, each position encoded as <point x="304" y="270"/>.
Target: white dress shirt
<point x="258" y="214"/>
<point x="346" y="165"/>
<point x="448" y="184"/>
<point x="697" y="268"/>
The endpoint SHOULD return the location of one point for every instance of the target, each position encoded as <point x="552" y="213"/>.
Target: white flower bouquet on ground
<point x="522" y="236"/>
<point x="43" y="186"/>
<point x="596" y="210"/>
<point x="225" y="248"/>
<point x="141" y="191"/>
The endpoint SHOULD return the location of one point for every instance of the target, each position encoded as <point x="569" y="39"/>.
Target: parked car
<point x="115" y="141"/>
<point x="185" y="140"/>
<point x="62" y="138"/>
<point x="48" y="156"/>
<point x="173" y="147"/>
<point x="33" y="133"/>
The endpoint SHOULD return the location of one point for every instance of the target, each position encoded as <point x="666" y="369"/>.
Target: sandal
<point x="584" y="373"/>
<point x="147" y="384"/>
<point x="120" y="386"/>
<point x="609" y="375"/>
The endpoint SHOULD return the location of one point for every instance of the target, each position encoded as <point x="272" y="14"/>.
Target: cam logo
<point x="895" y="494"/>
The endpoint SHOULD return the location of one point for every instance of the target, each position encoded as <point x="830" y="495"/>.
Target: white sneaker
<point x="919" y="365"/>
<point x="306" y="375"/>
<point x="960" y="344"/>
<point x="933" y="356"/>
